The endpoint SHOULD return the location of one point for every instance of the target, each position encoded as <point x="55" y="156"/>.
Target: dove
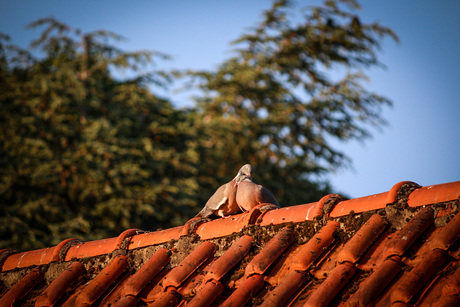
<point x="223" y="202"/>
<point x="250" y="194"/>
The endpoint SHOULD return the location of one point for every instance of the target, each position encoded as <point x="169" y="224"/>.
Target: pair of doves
<point x="239" y="194"/>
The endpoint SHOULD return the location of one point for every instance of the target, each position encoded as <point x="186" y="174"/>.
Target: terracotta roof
<point x="399" y="247"/>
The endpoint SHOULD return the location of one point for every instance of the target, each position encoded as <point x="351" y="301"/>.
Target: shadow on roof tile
<point x="405" y="237"/>
<point x="21" y="288"/>
<point x="362" y="240"/>
<point x="138" y="281"/>
<point x="333" y="284"/>
<point x="371" y="287"/>
<point x="271" y="251"/>
<point x="285" y="289"/>
<point x="448" y="235"/>
<point x="229" y="259"/>
<point x="315" y="247"/>
<point x="247" y="290"/>
<point x="207" y="295"/>
<point x="127" y="301"/>
<point x="411" y="282"/>
<point x="59" y="286"/>
<point x="189" y="265"/>
<point x="97" y="286"/>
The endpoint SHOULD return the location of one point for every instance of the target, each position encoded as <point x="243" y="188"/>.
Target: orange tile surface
<point x="363" y="239"/>
<point x="207" y="295"/>
<point x="434" y="194"/>
<point x="138" y="281"/>
<point x="332" y="285"/>
<point x="97" y="286"/>
<point x="371" y="287"/>
<point x="245" y="292"/>
<point x="297" y="213"/>
<point x="180" y="273"/>
<point x="59" y="286"/>
<point x="315" y="247"/>
<point x="398" y="248"/>
<point x="21" y="288"/>
<point x="274" y="248"/>
<point x="404" y="238"/>
<point x="229" y="259"/>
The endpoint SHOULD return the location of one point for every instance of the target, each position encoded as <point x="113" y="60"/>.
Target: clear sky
<point x="422" y="78"/>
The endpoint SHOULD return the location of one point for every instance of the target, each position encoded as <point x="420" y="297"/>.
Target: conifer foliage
<point x="294" y="84"/>
<point x="88" y="154"/>
<point x="85" y="155"/>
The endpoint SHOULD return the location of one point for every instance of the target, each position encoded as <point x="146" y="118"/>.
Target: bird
<point x="223" y="202"/>
<point x="250" y="194"/>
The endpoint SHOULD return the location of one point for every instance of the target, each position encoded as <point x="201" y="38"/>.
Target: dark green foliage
<point x="85" y="154"/>
<point x="282" y="98"/>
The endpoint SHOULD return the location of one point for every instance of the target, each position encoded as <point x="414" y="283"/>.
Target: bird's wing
<point x="267" y="196"/>
<point x="217" y="200"/>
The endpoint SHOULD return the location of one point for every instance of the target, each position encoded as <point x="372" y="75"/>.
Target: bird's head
<point x="245" y="172"/>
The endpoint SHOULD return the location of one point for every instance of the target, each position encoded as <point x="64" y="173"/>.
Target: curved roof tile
<point x="398" y="247"/>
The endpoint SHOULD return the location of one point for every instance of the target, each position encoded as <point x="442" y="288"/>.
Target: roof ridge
<point x="136" y="238"/>
<point x="402" y="251"/>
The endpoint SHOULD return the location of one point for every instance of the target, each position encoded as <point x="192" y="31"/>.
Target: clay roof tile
<point x="21" y="288"/>
<point x="229" y="259"/>
<point x="207" y="295"/>
<point x="329" y="288"/>
<point x="434" y="194"/>
<point x="316" y="246"/>
<point x="59" y="286"/>
<point x="399" y="247"/>
<point x="412" y="281"/>
<point x="405" y="237"/>
<point x="448" y="234"/>
<point x="247" y="290"/>
<point x="190" y="264"/>
<point x="362" y="240"/>
<point x="274" y="248"/>
<point x="138" y="281"/>
<point x="97" y="286"/>
<point x="371" y="287"/>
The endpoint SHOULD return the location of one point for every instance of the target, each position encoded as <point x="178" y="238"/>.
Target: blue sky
<point x="422" y="78"/>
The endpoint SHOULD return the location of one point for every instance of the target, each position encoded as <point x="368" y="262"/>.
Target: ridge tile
<point x="398" y="248"/>
<point x="434" y="194"/>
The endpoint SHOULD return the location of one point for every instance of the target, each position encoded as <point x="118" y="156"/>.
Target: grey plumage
<point x="223" y="201"/>
<point x="250" y="194"/>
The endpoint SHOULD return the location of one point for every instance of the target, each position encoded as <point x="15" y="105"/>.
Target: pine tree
<point x="294" y="84"/>
<point x="85" y="154"/>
